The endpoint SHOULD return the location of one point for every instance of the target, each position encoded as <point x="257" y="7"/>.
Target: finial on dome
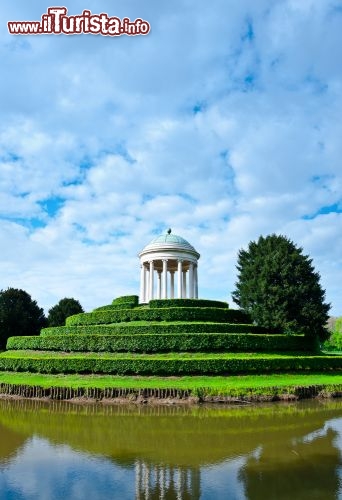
<point x="169" y="231"/>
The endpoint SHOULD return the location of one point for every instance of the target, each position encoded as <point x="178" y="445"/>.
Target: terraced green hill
<point x="165" y="337"/>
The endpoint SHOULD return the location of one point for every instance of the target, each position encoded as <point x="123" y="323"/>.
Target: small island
<point x="168" y="345"/>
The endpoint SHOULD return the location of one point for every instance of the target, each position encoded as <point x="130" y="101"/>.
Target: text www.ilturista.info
<point x="56" y="22"/>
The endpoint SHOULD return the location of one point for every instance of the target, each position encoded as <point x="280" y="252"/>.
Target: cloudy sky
<point x="223" y="123"/>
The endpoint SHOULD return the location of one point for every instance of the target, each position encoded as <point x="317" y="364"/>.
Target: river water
<point x="65" y="451"/>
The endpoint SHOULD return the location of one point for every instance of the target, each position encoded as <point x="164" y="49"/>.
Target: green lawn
<point x="224" y="384"/>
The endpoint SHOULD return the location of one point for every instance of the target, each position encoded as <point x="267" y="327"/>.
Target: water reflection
<point x="161" y="482"/>
<point x="60" y="450"/>
<point x="42" y="471"/>
<point x="303" y="468"/>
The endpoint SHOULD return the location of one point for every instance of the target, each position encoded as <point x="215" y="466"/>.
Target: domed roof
<point x="168" y="240"/>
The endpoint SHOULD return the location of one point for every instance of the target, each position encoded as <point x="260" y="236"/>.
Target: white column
<point x="196" y="282"/>
<point x="137" y="479"/>
<point x="142" y="290"/>
<point x="151" y="294"/>
<point x="179" y="270"/>
<point x="184" y="284"/>
<point x="172" y="295"/>
<point x="164" y="278"/>
<point x="159" y="284"/>
<point x="162" y="484"/>
<point x="191" y="280"/>
<point x="178" y="485"/>
<point x="147" y="285"/>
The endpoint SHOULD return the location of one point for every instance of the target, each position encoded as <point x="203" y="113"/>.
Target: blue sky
<point x="223" y="123"/>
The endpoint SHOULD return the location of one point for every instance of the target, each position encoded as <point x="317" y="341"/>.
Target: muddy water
<point x="63" y="451"/>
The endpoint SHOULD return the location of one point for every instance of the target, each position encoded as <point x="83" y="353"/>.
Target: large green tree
<point x="19" y="315"/>
<point x="66" y="307"/>
<point x="278" y="286"/>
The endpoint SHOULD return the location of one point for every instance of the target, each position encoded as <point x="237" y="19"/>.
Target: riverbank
<point x="121" y="389"/>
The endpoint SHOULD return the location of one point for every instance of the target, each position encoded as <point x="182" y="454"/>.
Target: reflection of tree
<point x="9" y="443"/>
<point x="154" y="482"/>
<point x="294" y="470"/>
<point x="195" y="436"/>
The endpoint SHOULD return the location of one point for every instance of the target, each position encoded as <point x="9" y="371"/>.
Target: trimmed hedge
<point x="159" y="314"/>
<point x="125" y="302"/>
<point x="112" y="307"/>
<point x="157" y="303"/>
<point x="161" y="329"/>
<point x="127" y="299"/>
<point x="163" y="343"/>
<point x="170" y="366"/>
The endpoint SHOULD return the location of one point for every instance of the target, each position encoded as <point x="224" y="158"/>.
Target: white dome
<point x="168" y="241"/>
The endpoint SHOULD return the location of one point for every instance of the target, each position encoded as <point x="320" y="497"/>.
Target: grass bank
<point x="242" y="386"/>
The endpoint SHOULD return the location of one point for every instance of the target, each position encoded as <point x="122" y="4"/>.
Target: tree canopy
<point x="278" y="286"/>
<point x="66" y="307"/>
<point x="19" y="315"/>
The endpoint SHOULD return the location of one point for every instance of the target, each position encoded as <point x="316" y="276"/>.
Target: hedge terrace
<point x="175" y="364"/>
<point x="163" y="343"/>
<point x="164" y="337"/>
<point x="140" y="328"/>
<point x="166" y="303"/>
<point x="216" y="314"/>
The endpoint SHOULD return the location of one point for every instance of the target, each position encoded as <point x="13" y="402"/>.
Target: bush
<point x="126" y="299"/>
<point x="217" y="315"/>
<point x="167" y="366"/>
<point x="125" y="302"/>
<point x="161" y="328"/>
<point x="335" y="341"/>
<point x="204" y="342"/>
<point x="156" y="303"/>
<point x="112" y="307"/>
